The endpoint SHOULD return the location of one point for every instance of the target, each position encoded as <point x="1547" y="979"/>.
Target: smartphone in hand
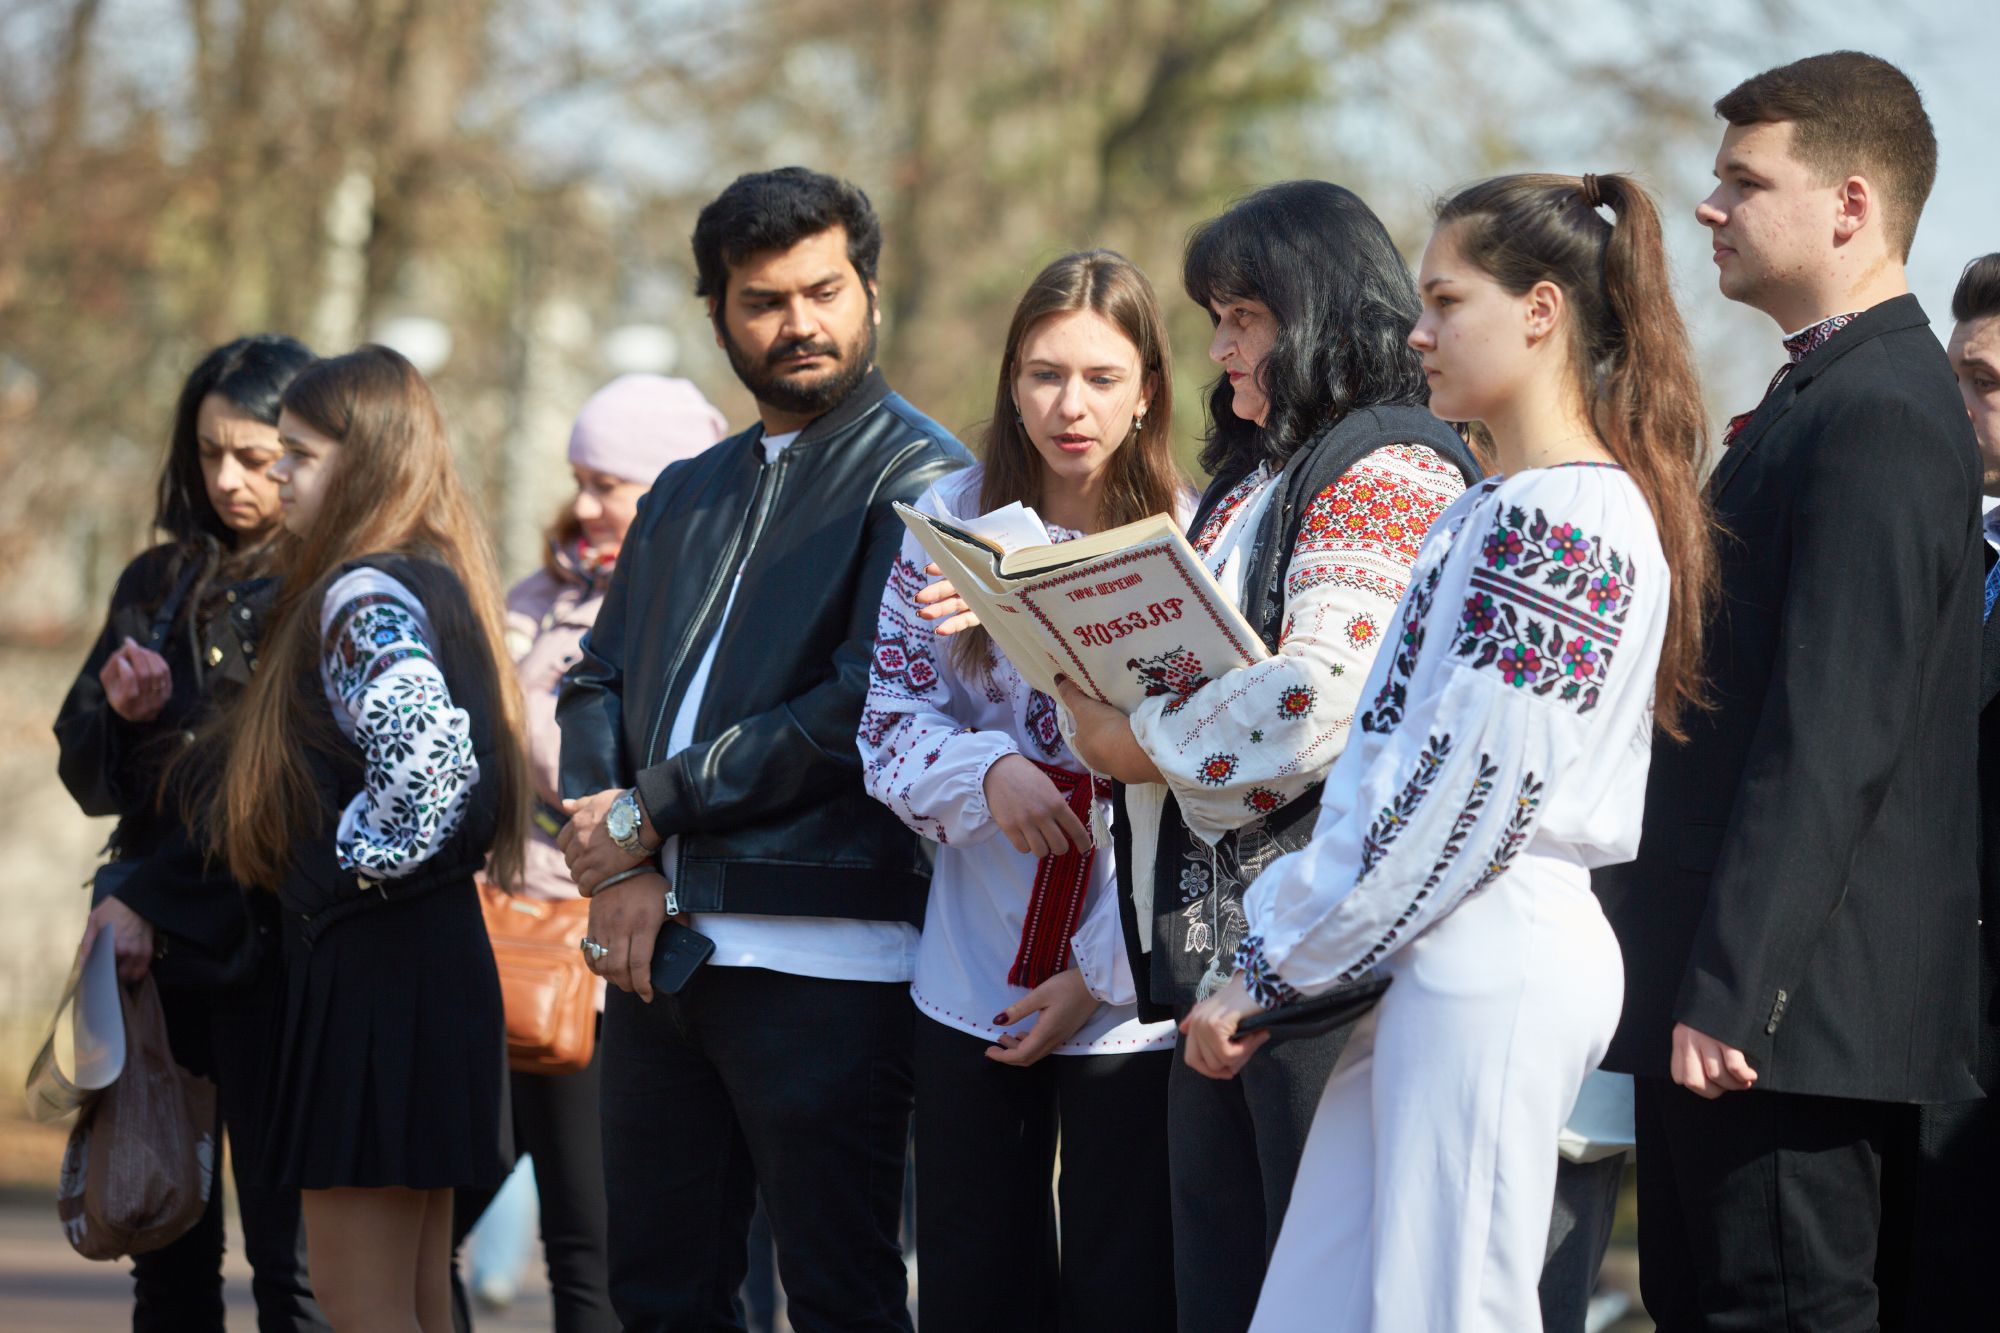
<point x="676" y="954"/>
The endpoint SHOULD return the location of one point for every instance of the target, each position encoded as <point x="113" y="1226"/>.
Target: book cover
<point x="1127" y="614"/>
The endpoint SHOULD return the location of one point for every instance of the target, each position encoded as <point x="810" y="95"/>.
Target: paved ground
<point x="46" y="1288"/>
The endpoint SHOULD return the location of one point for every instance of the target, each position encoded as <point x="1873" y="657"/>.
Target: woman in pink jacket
<point x="625" y="436"/>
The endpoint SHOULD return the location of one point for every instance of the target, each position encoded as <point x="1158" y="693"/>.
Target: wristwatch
<point x="623" y="823"/>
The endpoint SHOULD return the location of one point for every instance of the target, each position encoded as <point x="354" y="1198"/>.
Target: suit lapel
<point x="1900" y="312"/>
<point x="1755" y="429"/>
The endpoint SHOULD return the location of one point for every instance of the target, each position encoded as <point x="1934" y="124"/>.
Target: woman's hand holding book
<point x="1104" y="739"/>
<point x="940" y="602"/>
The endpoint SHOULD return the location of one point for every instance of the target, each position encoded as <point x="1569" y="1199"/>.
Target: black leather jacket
<point x="768" y="800"/>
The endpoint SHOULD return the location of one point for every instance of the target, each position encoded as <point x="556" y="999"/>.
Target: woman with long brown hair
<point x="1555" y="616"/>
<point x="971" y="757"/>
<point x="374" y="762"/>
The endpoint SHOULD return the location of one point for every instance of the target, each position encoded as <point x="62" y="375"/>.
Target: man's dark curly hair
<point x="775" y="210"/>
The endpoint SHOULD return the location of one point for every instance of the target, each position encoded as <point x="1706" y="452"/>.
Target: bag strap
<point x="163" y="619"/>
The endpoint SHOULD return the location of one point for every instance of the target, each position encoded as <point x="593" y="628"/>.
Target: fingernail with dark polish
<point x="1001" y="1019"/>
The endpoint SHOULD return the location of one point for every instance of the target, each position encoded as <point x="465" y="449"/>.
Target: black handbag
<point x="1319" y="1015"/>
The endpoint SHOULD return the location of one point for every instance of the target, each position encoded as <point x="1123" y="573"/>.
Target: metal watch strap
<point x="637" y="846"/>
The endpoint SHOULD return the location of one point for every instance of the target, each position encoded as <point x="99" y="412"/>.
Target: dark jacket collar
<point x="867" y="396"/>
<point x="1894" y="315"/>
<point x="1891" y="316"/>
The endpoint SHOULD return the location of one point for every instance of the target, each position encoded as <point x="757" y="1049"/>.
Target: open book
<point x="1125" y="614"/>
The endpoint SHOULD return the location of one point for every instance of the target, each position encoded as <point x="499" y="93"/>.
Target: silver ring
<point x="593" y="950"/>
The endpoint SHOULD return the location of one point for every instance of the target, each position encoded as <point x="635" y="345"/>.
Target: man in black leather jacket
<point x="708" y="746"/>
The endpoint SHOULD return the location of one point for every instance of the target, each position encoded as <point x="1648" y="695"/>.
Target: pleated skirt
<point x="392" y="1065"/>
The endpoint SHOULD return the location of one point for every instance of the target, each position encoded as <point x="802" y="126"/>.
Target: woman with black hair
<point x="180" y="639"/>
<point x="1327" y="473"/>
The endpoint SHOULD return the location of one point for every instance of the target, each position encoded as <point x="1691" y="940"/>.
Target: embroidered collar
<point x="1799" y="345"/>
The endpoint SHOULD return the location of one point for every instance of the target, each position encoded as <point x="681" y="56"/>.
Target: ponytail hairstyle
<point x="1633" y="367"/>
<point x="394" y="489"/>
<point x="1144" y="479"/>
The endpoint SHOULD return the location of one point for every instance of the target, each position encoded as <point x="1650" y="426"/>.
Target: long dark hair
<point x="1144" y="480"/>
<point x="1344" y="303"/>
<point x="1633" y="366"/>
<point x="394" y="487"/>
<point x="251" y="373"/>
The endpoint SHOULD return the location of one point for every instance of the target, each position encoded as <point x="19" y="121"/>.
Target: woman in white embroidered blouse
<point x="1022" y="924"/>
<point x="374" y="761"/>
<point x="1554" y="616"/>
<point x="1328" y="473"/>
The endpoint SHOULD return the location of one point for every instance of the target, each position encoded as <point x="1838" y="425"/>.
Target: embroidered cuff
<point x="1265" y="985"/>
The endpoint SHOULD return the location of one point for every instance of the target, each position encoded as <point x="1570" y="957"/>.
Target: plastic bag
<point x="141" y="1160"/>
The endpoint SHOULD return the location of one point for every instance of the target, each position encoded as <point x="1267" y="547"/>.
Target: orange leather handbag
<point x="549" y="993"/>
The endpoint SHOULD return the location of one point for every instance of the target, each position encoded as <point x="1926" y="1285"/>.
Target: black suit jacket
<point x="1806" y="887"/>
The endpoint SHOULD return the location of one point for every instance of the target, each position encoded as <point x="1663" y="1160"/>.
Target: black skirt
<point x="392" y="1064"/>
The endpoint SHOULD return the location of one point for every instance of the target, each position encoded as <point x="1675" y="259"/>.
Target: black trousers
<point x="1233" y="1149"/>
<point x="556" y="1123"/>
<point x="754" y="1081"/>
<point x="1957" y="1234"/>
<point x="987" y="1235"/>
<point x="178" y="1287"/>
<point x="1767" y="1211"/>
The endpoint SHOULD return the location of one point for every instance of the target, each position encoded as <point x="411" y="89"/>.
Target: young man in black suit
<point x="1958" y="1222"/>
<point x="1799" y="928"/>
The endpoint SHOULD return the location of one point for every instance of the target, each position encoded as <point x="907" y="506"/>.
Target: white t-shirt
<point x="836" y="948"/>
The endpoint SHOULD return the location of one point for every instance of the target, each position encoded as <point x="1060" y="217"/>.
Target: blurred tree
<point x="175" y="172"/>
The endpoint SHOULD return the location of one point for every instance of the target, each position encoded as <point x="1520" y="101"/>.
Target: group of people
<point x="1604" y="759"/>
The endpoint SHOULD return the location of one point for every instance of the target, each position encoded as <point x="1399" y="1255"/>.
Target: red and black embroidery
<point x="1177" y="672"/>
<point x="1217" y="769"/>
<point x="1297" y="702"/>
<point x="1262" y="800"/>
<point x="1043" y="727"/>
<point x="1225" y="509"/>
<point x="1546" y="608"/>
<point x="1362" y="631"/>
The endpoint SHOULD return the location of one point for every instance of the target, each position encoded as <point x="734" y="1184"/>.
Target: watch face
<point x="620" y="823"/>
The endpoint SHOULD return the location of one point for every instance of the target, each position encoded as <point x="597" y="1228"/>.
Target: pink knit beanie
<point x="637" y="424"/>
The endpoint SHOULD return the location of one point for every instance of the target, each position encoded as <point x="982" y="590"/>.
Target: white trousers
<point x="1423" y="1198"/>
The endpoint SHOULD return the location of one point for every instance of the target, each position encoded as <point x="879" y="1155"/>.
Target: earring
<point x="1138" y="420"/>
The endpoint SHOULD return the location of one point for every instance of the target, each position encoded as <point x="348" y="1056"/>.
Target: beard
<point x="803" y="395"/>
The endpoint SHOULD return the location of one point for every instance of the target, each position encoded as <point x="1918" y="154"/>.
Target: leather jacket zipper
<point x="759" y="510"/>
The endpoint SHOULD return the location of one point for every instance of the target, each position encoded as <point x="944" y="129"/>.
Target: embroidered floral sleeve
<point x="1513" y="644"/>
<point x="390" y="698"/>
<point x="916" y="758"/>
<point x="1242" y="746"/>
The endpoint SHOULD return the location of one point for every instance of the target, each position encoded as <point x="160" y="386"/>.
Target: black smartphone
<point x="676" y="954"/>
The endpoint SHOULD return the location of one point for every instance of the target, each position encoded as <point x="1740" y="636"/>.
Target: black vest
<point x="1187" y="873"/>
<point x="315" y="887"/>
